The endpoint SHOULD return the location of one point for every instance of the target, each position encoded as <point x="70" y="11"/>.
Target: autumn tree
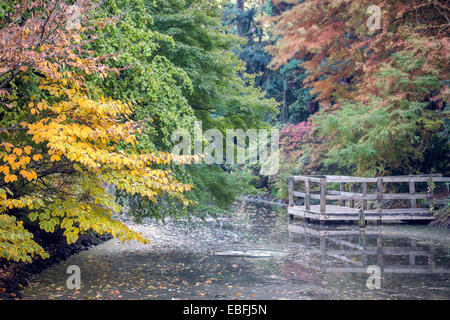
<point x="383" y="92"/>
<point x="62" y="139"/>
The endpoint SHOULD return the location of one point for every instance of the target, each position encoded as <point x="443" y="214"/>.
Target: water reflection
<point x="352" y="251"/>
<point x="255" y="253"/>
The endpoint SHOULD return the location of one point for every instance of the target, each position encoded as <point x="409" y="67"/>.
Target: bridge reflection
<point x="352" y="251"/>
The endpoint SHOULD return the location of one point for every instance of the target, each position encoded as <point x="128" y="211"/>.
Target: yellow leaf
<point x="27" y="149"/>
<point x="37" y="157"/>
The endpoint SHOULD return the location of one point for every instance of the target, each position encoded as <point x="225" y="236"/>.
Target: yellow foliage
<point x="76" y="151"/>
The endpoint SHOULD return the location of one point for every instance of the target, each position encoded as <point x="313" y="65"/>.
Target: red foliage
<point x="293" y="136"/>
<point x="342" y="53"/>
<point x="35" y="36"/>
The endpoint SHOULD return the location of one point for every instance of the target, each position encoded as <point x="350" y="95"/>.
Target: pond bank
<point x="14" y="276"/>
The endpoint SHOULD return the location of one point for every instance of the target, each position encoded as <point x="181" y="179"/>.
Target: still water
<point x="256" y="253"/>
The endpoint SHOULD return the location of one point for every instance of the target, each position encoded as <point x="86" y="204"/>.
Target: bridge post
<point x="362" y="218"/>
<point x="364" y="192"/>
<point x="307" y="194"/>
<point x="380" y="199"/>
<point x="412" y="190"/>
<point x="342" y="189"/>
<point x="291" y="196"/>
<point x="352" y="202"/>
<point x="323" y="198"/>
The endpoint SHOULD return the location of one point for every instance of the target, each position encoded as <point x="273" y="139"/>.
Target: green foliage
<point x="220" y="97"/>
<point x="147" y="77"/>
<point x="284" y="85"/>
<point x="385" y="135"/>
<point x="16" y="243"/>
<point x="177" y="65"/>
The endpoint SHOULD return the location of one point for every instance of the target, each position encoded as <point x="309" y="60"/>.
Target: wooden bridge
<point x="363" y="199"/>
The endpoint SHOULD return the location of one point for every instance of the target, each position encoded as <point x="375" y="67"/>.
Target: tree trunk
<point x="284" y="112"/>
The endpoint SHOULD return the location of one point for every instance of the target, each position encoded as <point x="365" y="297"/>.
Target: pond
<point x="256" y="253"/>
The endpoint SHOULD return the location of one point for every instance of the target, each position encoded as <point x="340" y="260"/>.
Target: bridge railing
<point x="349" y="182"/>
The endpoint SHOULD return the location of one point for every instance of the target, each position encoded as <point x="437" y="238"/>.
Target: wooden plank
<point x="335" y="209"/>
<point x="347" y="179"/>
<point x="417" y="175"/>
<point x="298" y="194"/>
<point x="355" y="197"/>
<point x="314" y="196"/>
<point x="303" y="195"/>
<point x="397" y="217"/>
<point x="416" y="179"/>
<point x="331" y="176"/>
<point x="404" y="196"/>
<point x="331" y="209"/>
<point x="303" y="213"/>
<point x="401" y="211"/>
<point x="298" y="178"/>
<point x="304" y="178"/>
<point x="386" y="196"/>
<point x="344" y="193"/>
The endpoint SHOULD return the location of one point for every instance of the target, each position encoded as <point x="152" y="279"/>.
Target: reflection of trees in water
<point x="260" y="219"/>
